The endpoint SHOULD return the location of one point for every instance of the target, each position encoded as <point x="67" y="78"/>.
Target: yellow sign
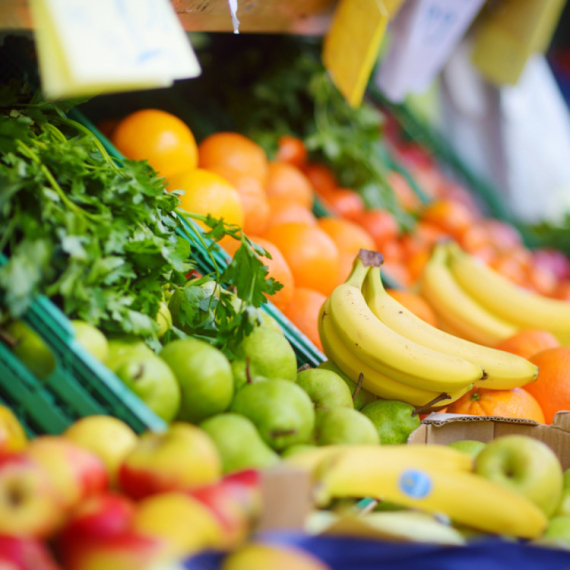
<point x="509" y="32"/>
<point x="352" y="43"/>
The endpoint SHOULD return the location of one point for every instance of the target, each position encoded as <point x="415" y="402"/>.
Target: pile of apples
<point x="100" y="496"/>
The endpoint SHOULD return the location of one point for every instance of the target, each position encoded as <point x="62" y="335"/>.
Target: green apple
<point x="524" y="465"/>
<point x="326" y="389"/>
<point x="393" y="419"/>
<point x="469" y="446"/>
<point x="345" y="426"/>
<point x="205" y="377"/>
<point x="557" y="531"/>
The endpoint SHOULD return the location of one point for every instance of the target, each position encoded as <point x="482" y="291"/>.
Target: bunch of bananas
<point x="475" y="302"/>
<point x="397" y="356"/>
<point x="430" y="478"/>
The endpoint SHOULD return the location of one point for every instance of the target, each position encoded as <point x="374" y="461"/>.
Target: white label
<point x="425" y="34"/>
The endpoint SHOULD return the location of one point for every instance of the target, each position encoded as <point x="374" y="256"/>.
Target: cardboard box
<point x="445" y="428"/>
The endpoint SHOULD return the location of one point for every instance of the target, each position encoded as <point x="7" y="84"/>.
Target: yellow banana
<point x="496" y="293"/>
<point x="377" y="456"/>
<point x="389" y="352"/>
<point x="373" y="380"/>
<point x="464" y="497"/>
<point x="503" y="370"/>
<point x="457" y="310"/>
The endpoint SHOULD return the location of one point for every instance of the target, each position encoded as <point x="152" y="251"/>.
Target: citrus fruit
<point x="310" y="253"/>
<point x="159" y="137"/>
<point x="288" y="181"/>
<point x="515" y="403"/>
<point x="345" y="203"/>
<point x="282" y="210"/>
<point x="405" y="196"/>
<point x="381" y="225"/>
<point x="552" y="387"/>
<point x="235" y="152"/>
<point x="415" y="304"/>
<point x="452" y="217"/>
<point x="321" y="177"/>
<point x="527" y="343"/>
<point x="291" y="150"/>
<point x="303" y="312"/>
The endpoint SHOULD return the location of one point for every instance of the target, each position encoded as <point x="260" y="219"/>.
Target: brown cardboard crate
<point x="447" y="428"/>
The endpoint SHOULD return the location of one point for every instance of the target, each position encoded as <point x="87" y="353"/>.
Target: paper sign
<point x="88" y="47"/>
<point x="425" y="34"/>
<point x="351" y="45"/>
<point x="509" y="32"/>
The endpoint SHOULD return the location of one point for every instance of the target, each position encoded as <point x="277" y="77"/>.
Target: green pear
<point x="297" y="448"/>
<point x="345" y="426"/>
<point x="394" y="420"/>
<point x="91" y="339"/>
<point x="281" y="411"/>
<point x="266" y="353"/>
<point x="239" y="444"/>
<point x="30" y="348"/>
<point x="470" y="446"/>
<point x="150" y="378"/>
<point x="326" y="389"/>
<point x="204" y="375"/>
<point x="363" y="396"/>
<point x="120" y="346"/>
<point x="268" y="321"/>
<point x="164" y="319"/>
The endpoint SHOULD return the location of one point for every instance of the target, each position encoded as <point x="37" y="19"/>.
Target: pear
<point x="30" y="348"/>
<point x="362" y="397"/>
<point x="281" y="411"/>
<point x="118" y="347"/>
<point x="326" y="389"/>
<point x="345" y="426"/>
<point x="239" y="444"/>
<point x="266" y="353"/>
<point x="394" y="420"/>
<point x="91" y="339"/>
<point x="297" y="448"/>
<point x="150" y="378"/>
<point x="204" y="375"/>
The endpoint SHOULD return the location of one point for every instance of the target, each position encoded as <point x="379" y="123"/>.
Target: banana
<point x="464" y="497"/>
<point x="377" y="456"/>
<point x="389" y="352"/>
<point x="373" y="380"/>
<point x="458" y="311"/>
<point x="503" y="370"/>
<point x="496" y="293"/>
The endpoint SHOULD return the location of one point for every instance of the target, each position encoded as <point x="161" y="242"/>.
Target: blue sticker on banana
<point x="415" y="484"/>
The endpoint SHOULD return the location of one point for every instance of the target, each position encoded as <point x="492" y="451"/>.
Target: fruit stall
<point x="279" y="287"/>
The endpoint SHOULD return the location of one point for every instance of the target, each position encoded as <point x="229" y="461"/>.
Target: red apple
<point x="182" y="458"/>
<point x="75" y="473"/>
<point x="24" y="553"/>
<point x="126" y="551"/>
<point x="99" y="517"/>
<point x="29" y="505"/>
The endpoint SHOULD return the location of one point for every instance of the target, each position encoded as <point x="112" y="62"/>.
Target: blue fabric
<point x="359" y="554"/>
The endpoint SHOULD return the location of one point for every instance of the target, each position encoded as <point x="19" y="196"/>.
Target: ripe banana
<point x="496" y="293"/>
<point x="458" y="311"/>
<point x="374" y="381"/>
<point x="464" y="497"/>
<point x="389" y="352"/>
<point x="503" y="370"/>
<point x="377" y="456"/>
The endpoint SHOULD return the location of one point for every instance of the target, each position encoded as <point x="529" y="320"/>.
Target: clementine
<point x="415" y="304"/>
<point x="282" y="210"/>
<point x="292" y="150"/>
<point x="527" y="343"/>
<point x="286" y="180"/>
<point x="303" y="312"/>
<point x="381" y="225"/>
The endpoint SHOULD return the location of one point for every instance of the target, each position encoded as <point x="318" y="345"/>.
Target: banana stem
<point x="426" y="407"/>
<point x="358" y="386"/>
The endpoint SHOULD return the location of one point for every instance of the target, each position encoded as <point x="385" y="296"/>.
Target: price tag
<point x="87" y="47"/>
<point x="425" y="34"/>
<point x="351" y="45"/>
<point x="509" y="32"/>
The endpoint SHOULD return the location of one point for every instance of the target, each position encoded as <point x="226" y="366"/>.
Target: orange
<point x="321" y="177"/>
<point x="345" y="203"/>
<point x="405" y="196"/>
<point x="310" y="253"/>
<point x="205" y="193"/>
<point x="277" y="268"/>
<point x="527" y="343"/>
<point x="510" y="268"/>
<point x="416" y="264"/>
<point x="552" y="387"/>
<point x="474" y="237"/>
<point x="392" y="252"/>
<point x="303" y="312"/>
<point x="452" y="217"/>
<point x="398" y="272"/>
<point x="415" y="304"/>
<point x="288" y="181"/>
<point x="235" y="152"/>
<point x="159" y="137"/>
<point x="562" y="290"/>
<point x="501" y="234"/>
<point x="381" y="225"/>
<point x="282" y="210"/>
<point x="253" y="199"/>
<point x="292" y="150"/>
<point x="515" y="403"/>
